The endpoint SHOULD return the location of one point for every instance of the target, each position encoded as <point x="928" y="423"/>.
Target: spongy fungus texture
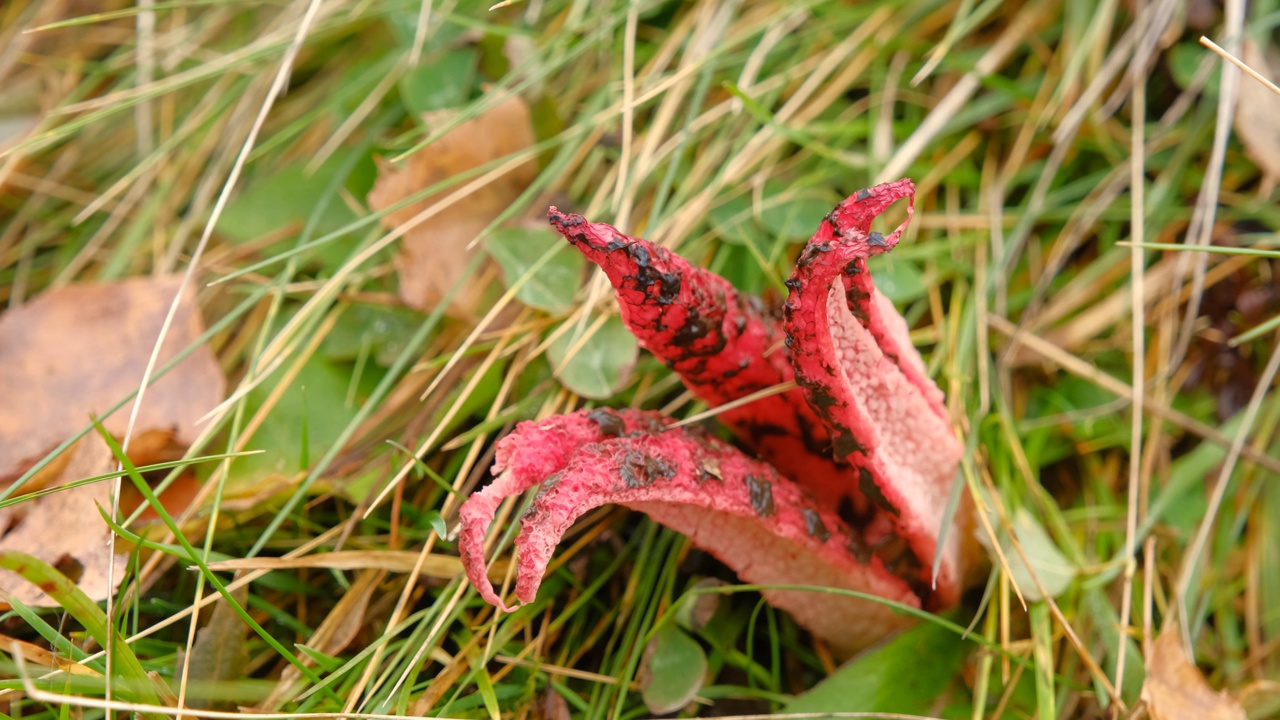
<point x="866" y="432"/>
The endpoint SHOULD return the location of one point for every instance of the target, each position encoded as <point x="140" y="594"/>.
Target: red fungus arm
<point x="738" y="509"/>
<point x="526" y="457"/>
<point x="717" y="340"/>
<point x="858" y="370"/>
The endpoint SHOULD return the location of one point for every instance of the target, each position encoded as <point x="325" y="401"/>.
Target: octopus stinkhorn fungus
<point x="850" y="472"/>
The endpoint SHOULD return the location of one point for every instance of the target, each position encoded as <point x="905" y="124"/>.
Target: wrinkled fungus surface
<point x="849" y="473"/>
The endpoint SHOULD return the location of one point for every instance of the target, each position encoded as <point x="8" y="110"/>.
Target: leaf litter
<point x="1175" y="689"/>
<point x="220" y="653"/>
<point x="434" y="253"/>
<point x="1256" y="110"/>
<point x="78" y="351"/>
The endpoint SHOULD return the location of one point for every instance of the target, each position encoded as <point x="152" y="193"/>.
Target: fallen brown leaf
<point x="433" y="254"/>
<point x="71" y="353"/>
<point x="80" y="349"/>
<point x="220" y="653"/>
<point x="64" y="528"/>
<point x="1256" y="110"/>
<point x="45" y="476"/>
<point x="343" y="623"/>
<point x="551" y="706"/>
<point x="1175" y="689"/>
<point x="153" y="447"/>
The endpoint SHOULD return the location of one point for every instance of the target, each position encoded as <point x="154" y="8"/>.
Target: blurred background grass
<point x="1048" y="141"/>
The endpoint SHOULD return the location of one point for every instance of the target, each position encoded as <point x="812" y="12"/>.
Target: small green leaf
<point x="1184" y="61"/>
<point x="380" y="329"/>
<point x="696" y="610"/>
<point x="899" y="280"/>
<point x="784" y="214"/>
<point x="437" y="523"/>
<point x="905" y="675"/>
<point x="403" y="23"/>
<point x="317" y="400"/>
<point x="795" y="219"/>
<point x="441" y="82"/>
<point x="732" y="220"/>
<point x="288" y="198"/>
<point x="328" y="663"/>
<point x="549" y="286"/>
<point x="672" y="671"/>
<point x="600" y="363"/>
<point x="1052" y="568"/>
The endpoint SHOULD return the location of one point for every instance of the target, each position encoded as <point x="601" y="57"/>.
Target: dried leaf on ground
<point x="152" y="447"/>
<point x="343" y="623"/>
<point x="45" y="658"/>
<point x="433" y="254"/>
<point x="80" y="349"/>
<point x="220" y="653"/>
<point x="1256" y="110"/>
<point x="76" y="352"/>
<point x="551" y="706"/>
<point x="1175" y="689"/>
<point x="64" y="528"/>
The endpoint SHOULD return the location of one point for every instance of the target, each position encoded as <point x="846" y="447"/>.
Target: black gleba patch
<point x="761" y="492"/>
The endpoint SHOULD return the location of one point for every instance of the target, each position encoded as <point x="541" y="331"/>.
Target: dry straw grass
<point x="1068" y="155"/>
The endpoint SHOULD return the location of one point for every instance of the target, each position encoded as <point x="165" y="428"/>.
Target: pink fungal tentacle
<point x="716" y="339"/>
<point x="740" y="510"/>
<point x="860" y="373"/>
<point x="530" y="454"/>
<point x="851" y="218"/>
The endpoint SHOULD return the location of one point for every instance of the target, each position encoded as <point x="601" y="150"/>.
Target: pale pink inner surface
<point x="916" y="448"/>
<point x="777" y="541"/>
<point x="896" y="325"/>
<point x="760" y="558"/>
